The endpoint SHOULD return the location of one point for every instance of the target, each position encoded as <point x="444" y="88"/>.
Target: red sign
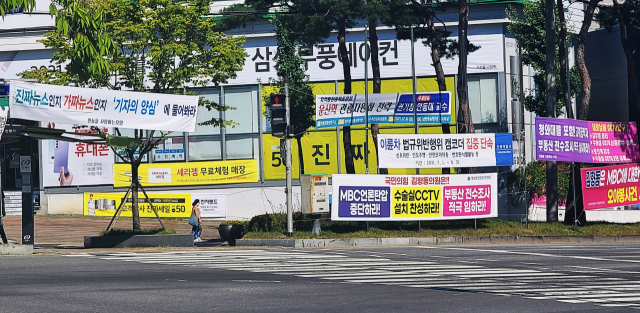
<point x="610" y="186"/>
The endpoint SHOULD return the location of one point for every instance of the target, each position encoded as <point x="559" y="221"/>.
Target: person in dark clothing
<point x="2" y="214"/>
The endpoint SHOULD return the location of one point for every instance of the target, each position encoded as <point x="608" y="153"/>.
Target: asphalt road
<point x="516" y="278"/>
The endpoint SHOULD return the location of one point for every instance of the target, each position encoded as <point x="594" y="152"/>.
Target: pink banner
<point x="611" y="186"/>
<point x="467" y="200"/>
<point x="613" y="142"/>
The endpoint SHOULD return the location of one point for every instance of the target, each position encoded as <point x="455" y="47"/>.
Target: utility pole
<point x="287" y="162"/>
<point x="552" y="166"/>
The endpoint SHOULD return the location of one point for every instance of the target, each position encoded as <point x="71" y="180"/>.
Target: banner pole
<point x="366" y="104"/>
<point x="575" y="203"/>
<point x="413" y="77"/>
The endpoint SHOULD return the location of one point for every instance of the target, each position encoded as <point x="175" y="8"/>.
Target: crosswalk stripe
<point x="436" y="272"/>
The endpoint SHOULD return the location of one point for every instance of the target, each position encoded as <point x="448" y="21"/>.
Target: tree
<point x="529" y="29"/>
<point x="159" y="46"/>
<point x="8" y="6"/>
<point x="312" y="22"/>
<point x="465" y="121"/>
<point x="585" y="89"/>
<point x="420" y="16"/>
<point x="290" y="64"/>
<point x="374" y="11"/>
<point x="626" y="15"/>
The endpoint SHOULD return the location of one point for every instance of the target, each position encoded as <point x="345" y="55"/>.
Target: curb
<point x="16" y="249"/>
<point x="405" y="241"/>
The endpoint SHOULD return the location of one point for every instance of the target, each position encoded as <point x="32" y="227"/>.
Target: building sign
<point x="167" y="205"/>
<point x="583" y="141"/>
<point x="102" y="108"/>
<point x="414" y="197"/>
<point x="610" y="186"/>
<point x="444" y="150"/>
<point x="384" y="108"/>
<point x="212" y="205"/>
<point x="188" y="174"/>
<point x="75" y="163"/>
<point x="322" y="61"/>
<point x="13" y="202"/>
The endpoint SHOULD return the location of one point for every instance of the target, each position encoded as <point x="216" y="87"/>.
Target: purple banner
<point x="583" y="141"/>
<point x="364" y="202"/>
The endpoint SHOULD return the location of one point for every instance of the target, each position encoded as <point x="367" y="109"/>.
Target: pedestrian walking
<point x="195" y="221"/>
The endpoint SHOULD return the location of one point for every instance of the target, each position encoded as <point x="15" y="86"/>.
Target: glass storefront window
<point x="241" y="147"/>
<point x="205" y="148"/>
<point x="483" y="101"/>
<point x="211" y="94"/>
<point x="244" y="100"/>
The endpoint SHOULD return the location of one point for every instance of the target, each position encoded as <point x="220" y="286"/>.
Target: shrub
<point x="277" y="222"/>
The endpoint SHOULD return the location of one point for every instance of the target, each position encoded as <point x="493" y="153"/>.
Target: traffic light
<point x="278" y="115"/>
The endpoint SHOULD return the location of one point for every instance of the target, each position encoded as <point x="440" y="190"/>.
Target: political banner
<point x="610" y="186"/>
<point x="384" y="108"/>
<point x="75" y="163"/>
<point x="167" y="205"/>
<point x="414" y="197"/>
<point x="212" y="205"/>
<point x="444" y="150"/>
<point x="189" y="174"/>
<point x="583" y="141"/>
<point x="102" y="108"/>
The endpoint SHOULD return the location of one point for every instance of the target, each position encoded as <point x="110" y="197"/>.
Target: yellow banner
<point x="186" y="174"/>
<point x="167" y="205"/>
<point x="274" y="167"/>
<point x="416" y="201"/>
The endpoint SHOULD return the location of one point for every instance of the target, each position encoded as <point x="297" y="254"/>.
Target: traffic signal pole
<point x="287" y="143"/>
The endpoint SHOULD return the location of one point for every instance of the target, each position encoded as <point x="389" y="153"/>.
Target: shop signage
<point x="189" y="174"/>
<point x="167" y="205"/>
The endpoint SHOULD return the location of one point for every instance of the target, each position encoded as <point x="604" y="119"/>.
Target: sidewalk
<point x="71" y="229"/>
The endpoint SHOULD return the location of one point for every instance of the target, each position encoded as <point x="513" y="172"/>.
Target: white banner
<point x="74" y="163"/>
<point x="212" y="205"/>
<point x="414" y="197"/>
<point x="444" y="150"/>
<point x="347" y="110"/>
<point x="103" y="108"/>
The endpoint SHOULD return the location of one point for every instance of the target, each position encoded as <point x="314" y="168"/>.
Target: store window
<point x="244" y="100"/>
<point x="483" y="101"/>
<point x="211" y="94"/>
<point x="205" y="148"/>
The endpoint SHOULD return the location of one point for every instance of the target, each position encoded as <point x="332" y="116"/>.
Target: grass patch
<point x="144" y="231"/>
<point x="486" y="228"/>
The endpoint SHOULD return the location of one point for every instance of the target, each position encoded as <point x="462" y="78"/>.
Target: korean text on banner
<point x="212" y="205"/>
<point x="414" y="197"/>
<point x="384" y="108"/>
<point x="610" y="186"/>
<point x="103" y="108"/>
<point x="189" y="174"/>
<point x="583" y="141"/>
<point x="444" y="150"/>
<point x="167" y="205"/>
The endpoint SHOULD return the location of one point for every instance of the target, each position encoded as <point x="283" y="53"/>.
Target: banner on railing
<point x="444" y="150"/>
<point x="583" y="141"/>
<point x="414" y="197"/>
<point x="384" y="108"/>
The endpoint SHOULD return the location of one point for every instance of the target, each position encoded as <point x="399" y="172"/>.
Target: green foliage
<point x="235" y="222"/>
<point x="529" y="28"/>
<point x="160" y="46"/>
<point x="7" y="6"/>
<point x="533" y="176"/>
<point x="406" y="14"/>
<point x="144" y="231"/>
<point x="462" y="228"/>
<point x="290" y="64"/>
<point x="277" y="222"/>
